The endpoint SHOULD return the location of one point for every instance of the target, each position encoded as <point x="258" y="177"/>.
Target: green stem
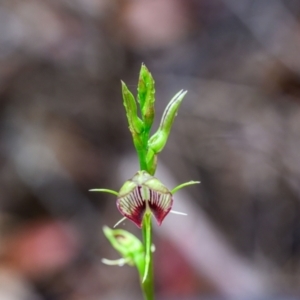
<point x="142" y="151"/>
<point x="147" y="283"/>
<point x="142" y="159"/>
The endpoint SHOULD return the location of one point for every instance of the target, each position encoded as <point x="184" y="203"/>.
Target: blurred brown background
<point x="63" y="131"/>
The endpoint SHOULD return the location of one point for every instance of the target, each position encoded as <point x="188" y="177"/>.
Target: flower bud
<point x="146" y="96"/>
<point x="135" y="123"/>
<point x="159" y="139"/>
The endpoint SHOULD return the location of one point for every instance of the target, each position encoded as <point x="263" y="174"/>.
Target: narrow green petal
<point x="105" y="191"/>
<point x="180" y="186"/>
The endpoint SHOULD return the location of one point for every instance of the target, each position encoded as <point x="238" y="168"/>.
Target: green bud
<point x="158" y="141"/>
<point x="130" y="248"/>
<point x="135" y="123"/>
<point x="146" y="96"/>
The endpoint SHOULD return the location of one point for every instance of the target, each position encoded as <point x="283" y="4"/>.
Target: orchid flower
<point x="144" y="194"/>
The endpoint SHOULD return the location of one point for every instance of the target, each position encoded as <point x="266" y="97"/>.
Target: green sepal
<point x="146" y="97"/>
<point x="159" y="139"/>
<point x="129" y="246"/>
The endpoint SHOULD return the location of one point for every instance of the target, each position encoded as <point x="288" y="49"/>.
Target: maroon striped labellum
<point x="143" y="194"/>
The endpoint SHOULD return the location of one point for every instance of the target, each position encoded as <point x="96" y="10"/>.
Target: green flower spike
<point x="145" y="194"/>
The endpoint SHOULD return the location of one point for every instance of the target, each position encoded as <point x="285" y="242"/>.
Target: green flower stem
<point x="140" y="115"/>
<point x="147" y="282"/>
<point x="142" y="159"/>
<point x="143" y="152"/>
